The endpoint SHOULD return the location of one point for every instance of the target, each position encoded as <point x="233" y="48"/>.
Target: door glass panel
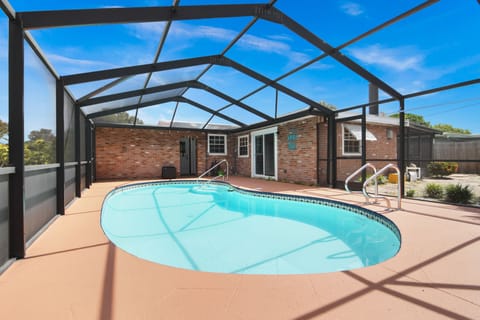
<point x="184" y="157"/>
<point x="269" y="155"/>
<point x="259" y="155"/>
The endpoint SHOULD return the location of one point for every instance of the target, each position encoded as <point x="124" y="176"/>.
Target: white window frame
<point x="247" y="146"/>
<point x="224" y="140"/>
<point x="343" y="145"/>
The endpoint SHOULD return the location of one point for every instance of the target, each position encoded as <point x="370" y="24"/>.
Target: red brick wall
<point x="383" y="148"/>
<point x="241" y="165"/>
<point x="297" y="165"/>
<point x="123" y="153"/>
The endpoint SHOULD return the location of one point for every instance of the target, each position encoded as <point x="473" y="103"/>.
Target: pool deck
<point x="72" y="271"/>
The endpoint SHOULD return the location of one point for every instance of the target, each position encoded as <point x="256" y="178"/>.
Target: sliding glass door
<point x="264" y="158"/>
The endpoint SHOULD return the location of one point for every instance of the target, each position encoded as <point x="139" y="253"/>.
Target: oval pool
<point x="216" y="227"/>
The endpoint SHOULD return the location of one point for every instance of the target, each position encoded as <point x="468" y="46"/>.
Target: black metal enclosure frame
<point x="21" y="22"/>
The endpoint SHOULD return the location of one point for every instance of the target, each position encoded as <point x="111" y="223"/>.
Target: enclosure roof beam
<point x="133" y="70"/>
<point x="415" y="94"/>
<point x="64" y="18"/>
<point x="218" y="60"/>
<point x="228" y="47"/>
<point x="443" y="88"/>
<point x="135" y="93"/>
<point x="171" y="86"/>
<point x="230" y="63"/>
<point x="199" y="85"/>
<point x="7" y="8"/>
<point x="207" y="109"/>
<point x="48" y="19"/>
<point x="158" y="52"/>
<point x="160" y="101"/>
<point x="276" y="15"/>
<point x="288" y="117"/>
<point x="342" y="46"/>
<point x="127" y="108"/>
<point x="103" y="88"/>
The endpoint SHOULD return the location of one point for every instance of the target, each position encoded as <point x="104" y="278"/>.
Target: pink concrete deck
<point x="73" y="272"/>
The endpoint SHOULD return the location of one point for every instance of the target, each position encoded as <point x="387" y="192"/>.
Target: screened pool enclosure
<point x="68" y="69"/>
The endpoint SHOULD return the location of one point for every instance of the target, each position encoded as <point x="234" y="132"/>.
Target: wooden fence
<point x="465" y="152"/>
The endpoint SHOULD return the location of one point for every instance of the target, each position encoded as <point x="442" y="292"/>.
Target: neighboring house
<point x="293" y="150"/>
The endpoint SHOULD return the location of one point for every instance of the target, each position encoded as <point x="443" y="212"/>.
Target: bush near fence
<point x="442" y="169"/>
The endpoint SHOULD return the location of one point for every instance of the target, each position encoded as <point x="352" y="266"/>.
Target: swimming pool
<point x="216" y="227"/>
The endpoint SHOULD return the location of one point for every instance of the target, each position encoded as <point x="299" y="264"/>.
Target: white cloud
<point x="182" y="31"/>
<point x="396" y="59"/>
<point x="79" y="62"/>
<point x="146" y="31"/>
<point x="184" y="34"/>
<point x="187" y="31"/>
<point x="265" y="45"/>
<point x="280" y="37"/>
<point x="352" y="9"/>
<point x="67" y="65"/>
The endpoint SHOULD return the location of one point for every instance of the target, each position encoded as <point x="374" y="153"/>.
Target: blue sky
<point x="434" y="47"/>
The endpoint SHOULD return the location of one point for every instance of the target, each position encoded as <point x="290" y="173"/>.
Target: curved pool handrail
<point x="366" y="165"/>
<point x="399" y="199"/>
<point x="213" y="167"/>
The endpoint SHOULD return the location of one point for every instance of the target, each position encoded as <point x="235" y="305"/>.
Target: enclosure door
<point x="188" y="156"/>
<point x="264" y="156"/>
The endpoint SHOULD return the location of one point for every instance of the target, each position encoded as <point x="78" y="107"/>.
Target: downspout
<point x="332" y="151"/>
<point x="401" y="155"/>
<point x="318" y="153"/>
<point x="364" y="141"/>
<point x="206" y="151"/>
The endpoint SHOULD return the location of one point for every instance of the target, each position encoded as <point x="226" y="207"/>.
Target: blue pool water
<point x="217" y="228"/>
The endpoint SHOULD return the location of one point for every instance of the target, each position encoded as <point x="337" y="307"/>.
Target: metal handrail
<point x="216" y="177"/>
<point x="369" y="165"/>
<point x="399" y="198"/>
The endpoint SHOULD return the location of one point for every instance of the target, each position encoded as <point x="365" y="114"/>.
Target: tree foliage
<point x="3" y="145"/>
<point x="450" y="129"/>
<point x="121" y="117"/>
<point x="418" y="119"/>
<point x="3" y="155"/>
<point x="3" y="130"/>
<point x="39" y="149"/>
<point x="42" y="134"/>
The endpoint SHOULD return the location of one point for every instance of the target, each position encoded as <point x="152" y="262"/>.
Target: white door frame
<point x="262" y="132"/>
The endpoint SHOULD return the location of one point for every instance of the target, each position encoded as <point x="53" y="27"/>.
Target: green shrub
<point x="433" y="190"/>
<point x="457" y="193"/>
<point x="410" y="193"/>
<point x="3" y="155"/>
<point x="381" y="179"/>
<point x="441" y="169"/>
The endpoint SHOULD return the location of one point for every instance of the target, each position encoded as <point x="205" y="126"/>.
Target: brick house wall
<point x="296" y="164"/>
<point x="124" y="153"/>
<point x="379" y="153"/>
<point x="240" y="165"/>
<point x="299" y="162"/>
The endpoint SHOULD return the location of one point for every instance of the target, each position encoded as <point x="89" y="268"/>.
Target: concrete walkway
<point x="72" y="271"/>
